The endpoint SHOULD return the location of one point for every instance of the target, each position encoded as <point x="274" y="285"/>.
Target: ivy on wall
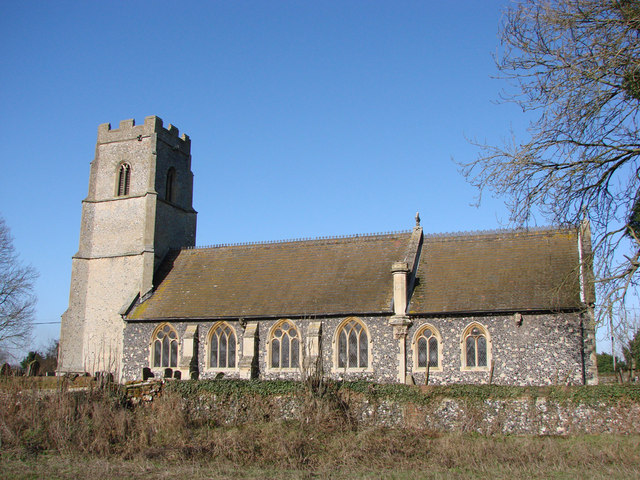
<point x="590" y="395"/>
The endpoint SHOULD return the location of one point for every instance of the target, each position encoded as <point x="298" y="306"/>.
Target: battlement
<point x="128" y="130"/>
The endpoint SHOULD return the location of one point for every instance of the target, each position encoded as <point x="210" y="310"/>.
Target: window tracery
<point x="165" y="347"/>
<point x="475" y="347"/>
<point x="222" y="347"/>
<point x="353" y="345"/>
<point x="427" y="347"/>
<point x="285" y="346"/>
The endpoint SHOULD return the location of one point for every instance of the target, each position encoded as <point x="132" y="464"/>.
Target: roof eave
<point x="506" y="311"/>
<point x="259" y="317"/>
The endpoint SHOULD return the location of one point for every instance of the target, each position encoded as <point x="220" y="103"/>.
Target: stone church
<point x="507" y="307"/>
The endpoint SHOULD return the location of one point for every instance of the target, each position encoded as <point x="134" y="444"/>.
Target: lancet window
<point x="124" y="179"/>
<point x="170" y="187"/>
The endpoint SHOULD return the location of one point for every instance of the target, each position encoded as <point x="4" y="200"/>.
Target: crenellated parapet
<point x="128" y="130"/>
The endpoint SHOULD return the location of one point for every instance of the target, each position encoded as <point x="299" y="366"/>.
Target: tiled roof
<point x="458" y="273"/>
<point x="502" y="271"/>
<point x="315" y="277"/>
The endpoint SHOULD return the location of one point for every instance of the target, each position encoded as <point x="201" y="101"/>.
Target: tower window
<point x="124" y="179"/>
<point x="170" y="188"/>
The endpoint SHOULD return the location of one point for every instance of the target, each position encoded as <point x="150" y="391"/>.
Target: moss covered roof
<point x="313" y="277"/>
<point x="458" y="273"/>
<point x="503" y="271"/>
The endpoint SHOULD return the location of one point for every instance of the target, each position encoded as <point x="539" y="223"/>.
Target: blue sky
<point x="306" y="118"/>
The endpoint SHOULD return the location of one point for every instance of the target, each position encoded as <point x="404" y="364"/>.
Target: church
<point x="509" y="307"/>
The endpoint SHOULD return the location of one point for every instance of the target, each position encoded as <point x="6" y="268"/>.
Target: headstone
<point x="146" y="374"/>
<point x="103" y="379"/>
<point x="32" y="369"/>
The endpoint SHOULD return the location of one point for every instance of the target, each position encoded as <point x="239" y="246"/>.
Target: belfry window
<point x="222" y="347"/>
<point x="353" y="345"/>
<point x="124" y="179"/>
<point x="170" y="187"/>
<point x="165" y="347"/>
<point x="285" y="346"/>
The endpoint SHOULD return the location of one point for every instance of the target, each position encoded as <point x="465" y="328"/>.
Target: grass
<point x="358" y="455"/>
<point x="45" y="383"/>
<point x="95" y="433"/>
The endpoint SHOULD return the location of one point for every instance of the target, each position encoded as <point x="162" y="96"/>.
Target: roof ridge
<point x="498" y="231"/>
<point x="297" y="240"/>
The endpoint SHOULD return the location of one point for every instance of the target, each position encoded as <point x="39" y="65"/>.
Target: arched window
<point x="124" y="179"/>
<point x="475" y="347"/>
<point x="353" y="345"/>
<point x="170" y="187"/>
<point x="165" y="347"/>
<point x="426" y="347"/>
<point x="222" y="347"/>
<point x="284" y="346"/>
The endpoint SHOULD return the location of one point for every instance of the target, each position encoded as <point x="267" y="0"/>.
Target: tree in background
<point x="29" y="359"/>
<point x="605" y="364"/>
<point x="632" y="350"/>
<point x="576" y="65"/>
<point x="17" y="301"/>
<point x="49" y="362"/>
<point x="47" y="359"/>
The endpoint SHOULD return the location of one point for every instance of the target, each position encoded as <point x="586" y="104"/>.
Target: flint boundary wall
<point x="486" y="410"/>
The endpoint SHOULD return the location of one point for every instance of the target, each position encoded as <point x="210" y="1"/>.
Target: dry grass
<point x="83" y="434"/>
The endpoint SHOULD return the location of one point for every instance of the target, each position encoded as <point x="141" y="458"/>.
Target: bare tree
<point x="575" y="64"/>
<point x="17" y="301"/>
<point x="4" y="356"/>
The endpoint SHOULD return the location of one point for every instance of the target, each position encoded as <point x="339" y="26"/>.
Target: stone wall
<point x="532" y="412"/>
<point x="524" y="350"/>
<point x="526" y="416"/>
<point x="542" y="349"/>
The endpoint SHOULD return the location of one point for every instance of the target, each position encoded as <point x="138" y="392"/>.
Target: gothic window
<point x="475" y="347"/>
<point x="284" y="346"/>
<point x="427" y="347"/>
<point x="165" y="347"/>
<point x="124" y="179"/>
<point x="353" y="345"/>
<point x="222" y="347"/>
<point x="170" y="187"/>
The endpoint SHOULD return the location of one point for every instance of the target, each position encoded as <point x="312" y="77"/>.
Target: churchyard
<point x="234" y="429"/>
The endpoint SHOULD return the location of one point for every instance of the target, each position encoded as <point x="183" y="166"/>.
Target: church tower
<point x="139" y="207"/>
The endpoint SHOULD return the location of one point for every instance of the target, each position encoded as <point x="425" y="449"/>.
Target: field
<point x="96" y="434"/>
